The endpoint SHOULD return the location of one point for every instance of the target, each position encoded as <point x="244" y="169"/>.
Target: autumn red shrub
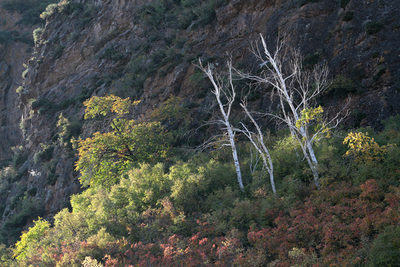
<point x="331" y="224"/>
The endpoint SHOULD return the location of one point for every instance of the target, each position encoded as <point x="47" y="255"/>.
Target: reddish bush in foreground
<point x="330" y="226"/>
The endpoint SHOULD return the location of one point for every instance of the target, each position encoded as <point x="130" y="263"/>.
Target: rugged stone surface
<point x="12" y="57"/>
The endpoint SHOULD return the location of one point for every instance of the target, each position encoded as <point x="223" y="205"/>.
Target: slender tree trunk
<point x="225" y="121"/>
<point x="313" y="164"/>
<point x="263" y="150"/>
<point x="235" y="158"/>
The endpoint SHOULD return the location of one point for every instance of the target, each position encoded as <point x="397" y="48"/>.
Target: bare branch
<point x="225" y="112"/>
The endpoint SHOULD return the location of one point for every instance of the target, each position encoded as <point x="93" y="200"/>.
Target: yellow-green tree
<point x="30" y="239"/>
<point x="363" y="148"/>
<point x="105" y="157"/>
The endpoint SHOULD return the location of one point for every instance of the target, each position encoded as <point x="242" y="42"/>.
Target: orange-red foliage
<point x="331" y="227"/>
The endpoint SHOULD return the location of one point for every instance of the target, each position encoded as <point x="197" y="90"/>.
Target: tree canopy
<point x="105" y="157"/>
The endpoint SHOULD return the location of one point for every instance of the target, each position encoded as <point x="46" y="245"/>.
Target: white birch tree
<point x="297" y="89"/>
<point x="228" y="91"/>
<point x="257" y="140"/>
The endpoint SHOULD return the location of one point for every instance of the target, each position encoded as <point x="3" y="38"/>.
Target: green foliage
<point x="143" y="189"/>
<point x="15" y="36"/>
<point x="153" y="13"/>
<point x="357" y="73"/>
<point x="305" y="2"/>
<point x="105" y="157"/>
<point x="69" y="7"/>
<point x="58" y="51"/>
<point x="26" y="208"/>
<point x="29" y="9"/>
<point x="385" y="250"/>
<point x="392" y="127"/>
<point x="311" y="60"/>
<point x="50" y="10"/>
<point x="381" y="70"/>
<point x="343" y="3"/>
<point x="312" y="115"/>
<point x="51" y="178"/>
<point x="19" y="156"/>
<point x="188" y="187"/>
<point x="341" y="86"/>
<point x="6" y="175"/>
<point x="96" y="210"/>
<point x="112" y="54"/>
<point x="181" y="15"/>
<point x="349" y="15"/>
<point x="37" y="34"/>
<point x="373" y="27"/>
<point x="32" y="191"/>
<point x="45" y="153"/>
<point x="193" y="214"/>
<point x="301" y="258"/>
<point x="287" y="160"/>
<point x="192" y="183"/>
<point x="137" y="71"/>
<point x="42" y="103"/>
<point x="29" y="240"/>
<point x="174" y="116"/>
<point x="67" y="130"/>
<point x="6" y="258"/>
<point x="330" y="162"/>
<point x="45" y="106"/>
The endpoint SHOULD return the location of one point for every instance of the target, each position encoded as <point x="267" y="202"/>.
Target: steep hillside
<point x="15" y="49"/>
<point x="147" y="51"/>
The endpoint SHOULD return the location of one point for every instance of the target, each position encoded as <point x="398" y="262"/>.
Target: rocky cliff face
<point x="12" y="57"/>
<point x="95" y="47"/>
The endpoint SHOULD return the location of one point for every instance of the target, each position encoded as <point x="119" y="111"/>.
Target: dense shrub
<point x="331" y="223"/>
<point x="26" y="208"/>
<point x="304" y="2"/>
<point x="373" y="27"/>
<point x="37" y="34"/>
<point x="49" y="11"/>
<point x="385" y="250"/>
<point x="344" y="3"/>
<point x="349" y="15"/>
<point x="15" y="36"/>
<point x="193" y="214"/>
<point x="29" y="9"/>
<point x="58" y="51"/>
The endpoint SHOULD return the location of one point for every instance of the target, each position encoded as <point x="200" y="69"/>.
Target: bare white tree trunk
<point x="313" y="164"/>
<point x="235" y="157"/>
<point x="260" y="146"/>
<point x="225" y="112"/>
<point x="297" y="90"/>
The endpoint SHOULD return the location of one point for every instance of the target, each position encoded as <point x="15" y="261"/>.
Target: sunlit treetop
<point x="104" y="105"/>
<point x="106" y="157"/>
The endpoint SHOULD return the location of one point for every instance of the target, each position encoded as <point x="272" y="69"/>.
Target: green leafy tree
<point x="105" y="157"/>
<point x="29" y="240"/>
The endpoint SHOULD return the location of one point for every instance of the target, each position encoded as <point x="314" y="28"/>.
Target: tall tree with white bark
<point x="222" y="90"/>
<point x="297" y="89"/>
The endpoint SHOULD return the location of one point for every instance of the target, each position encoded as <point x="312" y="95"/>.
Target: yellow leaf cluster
<point x="308" y="115"/>
<point x="364" y="148"/>
<point x="313" y="116"/>
<point x="103" y="105"/>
